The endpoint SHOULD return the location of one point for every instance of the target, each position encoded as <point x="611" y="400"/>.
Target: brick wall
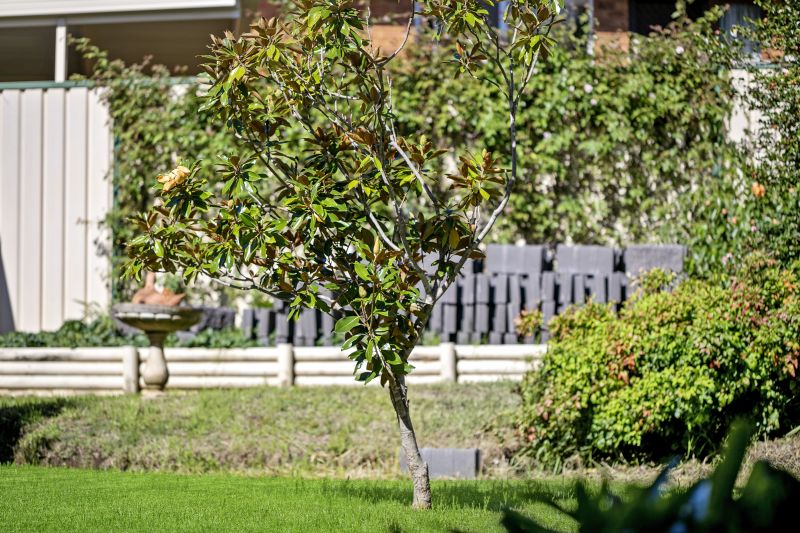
<point x="389" y="17"/>
<point x="611" y="15"/>
<point x="390" y="10"/>
<point x="382" y="10"/>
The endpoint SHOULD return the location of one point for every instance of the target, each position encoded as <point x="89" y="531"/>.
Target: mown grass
<point x="61" y="499"/>
<point x="315" y="431"/>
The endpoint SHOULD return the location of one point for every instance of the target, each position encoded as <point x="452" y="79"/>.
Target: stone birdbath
<point x="157" y="321"/>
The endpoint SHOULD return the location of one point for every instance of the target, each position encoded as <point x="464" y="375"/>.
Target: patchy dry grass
<point x="326" y="431"/>
<point x="783" y="453"/>
<point x="306" y="432"/>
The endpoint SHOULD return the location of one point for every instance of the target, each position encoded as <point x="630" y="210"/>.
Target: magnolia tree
<point x="357" y="225"/>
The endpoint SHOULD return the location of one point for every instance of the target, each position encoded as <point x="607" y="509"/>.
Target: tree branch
<point x="375" y="224"/>
<point x="391" y="56"/>
<point x="415" y="171"/>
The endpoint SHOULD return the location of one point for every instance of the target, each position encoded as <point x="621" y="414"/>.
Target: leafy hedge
<point x="620" y="146"/>
<point x="615" y="147"/>
<point x="101" y="331"/>
<point x="671" y="371"/>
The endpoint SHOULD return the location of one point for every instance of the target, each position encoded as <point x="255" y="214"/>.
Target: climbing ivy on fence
<point x="775" y="213"/>
<point x="618" y="146"/>
<point x="156" y="118"/>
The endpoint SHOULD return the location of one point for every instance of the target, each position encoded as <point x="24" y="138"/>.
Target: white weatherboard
<point x="55" y="156"/>
<point x="51" y="8"/>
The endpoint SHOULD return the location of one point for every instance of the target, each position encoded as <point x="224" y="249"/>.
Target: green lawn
<point x="61" y="499"/>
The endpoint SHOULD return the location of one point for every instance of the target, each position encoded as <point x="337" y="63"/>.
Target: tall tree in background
<point x="359" y="225"/>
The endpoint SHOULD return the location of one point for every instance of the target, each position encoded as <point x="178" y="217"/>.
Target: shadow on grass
<point x="483" y="494"/>
<point x="15" y="417"/>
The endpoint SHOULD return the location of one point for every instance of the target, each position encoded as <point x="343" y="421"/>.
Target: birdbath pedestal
<point x="156" y="321"/>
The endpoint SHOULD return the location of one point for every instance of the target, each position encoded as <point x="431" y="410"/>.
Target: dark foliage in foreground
<point x="766" y="503"/>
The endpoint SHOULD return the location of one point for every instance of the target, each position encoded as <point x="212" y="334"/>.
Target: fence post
<point x="447" y="359"/>
<point x="285" y="365"/>
<point x="130" y="369"/>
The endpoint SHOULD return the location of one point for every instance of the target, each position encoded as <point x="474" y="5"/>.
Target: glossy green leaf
<point x="345" y="324"/>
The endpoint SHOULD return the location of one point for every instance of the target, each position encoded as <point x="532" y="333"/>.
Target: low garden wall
<point x="118" y="369"/>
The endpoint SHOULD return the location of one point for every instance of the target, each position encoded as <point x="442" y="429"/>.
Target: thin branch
<point x="400" y="226"/>
<point x="340" y="95"/>
<point x="375" y="224"/>
<point x="512" y="113"/>
<point x="405" y="37"/>
<point x="251" y="284"/>
<point x="497" y="50"/>
<point x="531" y="68"/>
<point x="256" y="146"/>
<point x="367" y="19"/>
<point x="401" y="218"/>
<point x="415" y="171"/>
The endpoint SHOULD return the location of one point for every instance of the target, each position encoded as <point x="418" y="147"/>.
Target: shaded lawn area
<point x="63" y="499"/>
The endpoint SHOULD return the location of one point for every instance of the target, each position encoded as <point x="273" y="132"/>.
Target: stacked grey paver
<point x="482" y="306"/>
<point x="461" y="463"/>
<point x="643" y="257"/>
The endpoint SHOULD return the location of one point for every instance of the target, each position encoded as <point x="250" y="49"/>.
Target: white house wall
<point x="744" y="121"/>
<point x="29" y="8"/>
<point x="55" y="159"/>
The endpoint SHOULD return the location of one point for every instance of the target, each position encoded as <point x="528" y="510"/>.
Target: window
<point x="644" y="14"/>
<point x="740" y="15"/>
<point x="27" y="54"/>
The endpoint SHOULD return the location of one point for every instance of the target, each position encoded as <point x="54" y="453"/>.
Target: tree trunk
<point x="408" y="439"/>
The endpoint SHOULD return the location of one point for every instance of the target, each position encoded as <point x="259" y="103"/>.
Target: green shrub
<point x="102" y="331"/>
<point x="528" y="323"/>
<point x="671" y="371"/>
<point x="99" y="331"/>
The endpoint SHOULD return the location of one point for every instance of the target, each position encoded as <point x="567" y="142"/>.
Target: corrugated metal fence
<point x="55" y="157"/>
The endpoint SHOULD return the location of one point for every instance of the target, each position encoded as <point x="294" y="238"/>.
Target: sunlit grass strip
<point x="58" y="499"/>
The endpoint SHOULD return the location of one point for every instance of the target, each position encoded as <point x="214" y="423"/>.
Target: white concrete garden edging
<point x="118" y="369"/>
